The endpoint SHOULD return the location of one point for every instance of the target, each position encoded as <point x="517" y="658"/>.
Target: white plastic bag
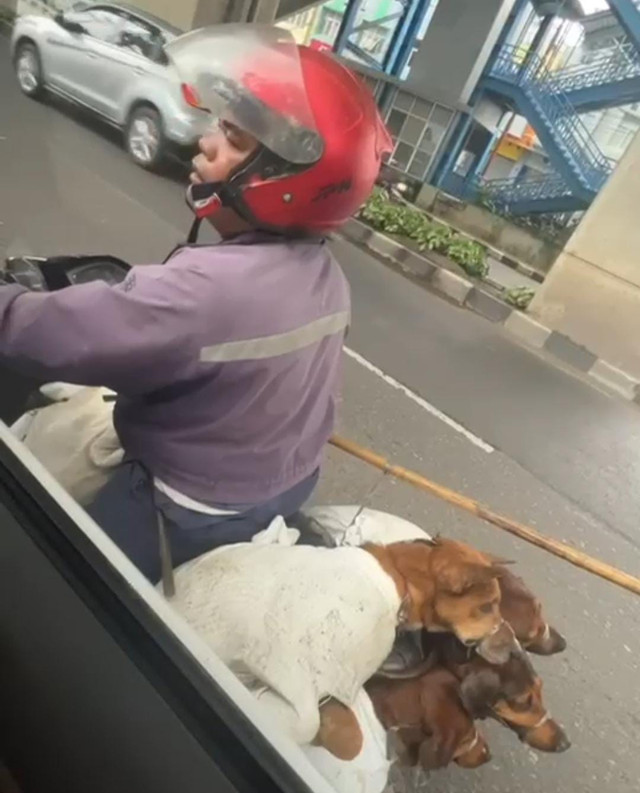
<point x="355" y="526"/>
<point x="74" y="438"/>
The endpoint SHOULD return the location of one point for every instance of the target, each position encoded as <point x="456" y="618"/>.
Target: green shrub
<point x="520" y="296"/>
<point x="7" y="16"/>
<point x="434" y="237"/>
<point x="470" y="255"/>
<point x="405" y="221"/>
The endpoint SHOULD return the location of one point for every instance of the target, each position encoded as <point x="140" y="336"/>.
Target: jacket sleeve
<point x="132" y="337"/>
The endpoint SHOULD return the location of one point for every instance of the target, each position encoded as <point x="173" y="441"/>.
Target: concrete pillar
<point x="180" y="14"/>
<point x="456" y="46"/>
<point x="190" y="14"/>
<point x="592" y="294"/>
<point x="214" y="12"/>
<point x="265" y="12"/>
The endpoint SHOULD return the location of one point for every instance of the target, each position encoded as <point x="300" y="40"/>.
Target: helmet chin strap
<point x="192" y="236"/>
<point x="204" y="199"/>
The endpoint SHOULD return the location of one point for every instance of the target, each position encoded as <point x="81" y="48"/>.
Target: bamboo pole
<point x="557" y="548"/>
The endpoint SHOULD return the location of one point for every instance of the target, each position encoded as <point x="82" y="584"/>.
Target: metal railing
<point x="511" y="191"/>
<point x="607" y="69"/>
<point x="505" y="194"/>
<point x="580" y="150"/>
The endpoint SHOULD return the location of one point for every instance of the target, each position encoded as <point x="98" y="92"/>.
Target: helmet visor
<point x="251" y="75"/>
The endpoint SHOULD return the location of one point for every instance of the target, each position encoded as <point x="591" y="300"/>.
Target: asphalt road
<point x="566" y="459"/>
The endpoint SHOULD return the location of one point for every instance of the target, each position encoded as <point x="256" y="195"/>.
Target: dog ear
<point x="479" y="691"/>
<point x="458" y="578"/>
<point x="457" y="567"/>
<point x="498" y="560"/>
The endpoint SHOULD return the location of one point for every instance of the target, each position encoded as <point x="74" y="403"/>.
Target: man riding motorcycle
<point x="226" y="358"/>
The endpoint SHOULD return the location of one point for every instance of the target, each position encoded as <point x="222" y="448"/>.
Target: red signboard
<point x="321" y="46"/>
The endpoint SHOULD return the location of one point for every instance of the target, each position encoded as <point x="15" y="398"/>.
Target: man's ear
<point x="479" y="691"/>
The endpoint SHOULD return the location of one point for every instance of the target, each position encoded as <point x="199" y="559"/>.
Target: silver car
<point x="110" y="58"/>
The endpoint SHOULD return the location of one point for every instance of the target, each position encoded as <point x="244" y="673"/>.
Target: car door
<point x="75" y="60"/>
<point x="128" y="56"/>
<point x="64" y="54"/>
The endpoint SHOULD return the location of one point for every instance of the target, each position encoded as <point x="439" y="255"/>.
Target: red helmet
<point x="322" y="138"/>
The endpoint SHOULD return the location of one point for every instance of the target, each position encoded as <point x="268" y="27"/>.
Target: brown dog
<point x="523" y="611"/>
<point x="443" y="585"/>
<point x="430" y="723"/>
<point x="509" y="692"/>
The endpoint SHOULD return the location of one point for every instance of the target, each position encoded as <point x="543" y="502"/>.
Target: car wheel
<point x="145" y="139"/>
<point x="29" y="70"/>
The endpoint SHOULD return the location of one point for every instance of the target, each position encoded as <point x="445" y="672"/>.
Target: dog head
<point x="428" y="722"/>
<point x="523" y="611"/>
<point x="499" y="646"/>
<point x="451" y="735"/>
<point x="512" y="693"/>
<point x="450" y="587"/>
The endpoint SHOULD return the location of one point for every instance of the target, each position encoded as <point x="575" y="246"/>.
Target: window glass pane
<point x="99" y="24"/>
<point x="140" y="38"/>
<point x="419" y="164"/>
<point x="439" y="122"/>
<point x="328" y="25"/>
<point x="422" y="108"/>
<point x="395" y="122"/>
<point x="428" y="143"/>
<point x="441" y="116"/>
<point x="373" y="30"/>
<point x="403" y="101"/>
<point x="402" y="155"/>
<point x="412" y="130"/>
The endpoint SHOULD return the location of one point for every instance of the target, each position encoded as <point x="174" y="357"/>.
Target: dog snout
<point x="563" y="743"/>
<point x="500" y="645"/>
<point x="476" y="757"/>
<point x="556" y="644"/>
<point x="549" y="642"/>
<point x="549" y="737"/>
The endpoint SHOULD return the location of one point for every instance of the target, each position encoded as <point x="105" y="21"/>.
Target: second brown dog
<point x="431" y="725"/>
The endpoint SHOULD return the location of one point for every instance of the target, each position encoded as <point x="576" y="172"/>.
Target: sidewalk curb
<point x="464" y="292"/>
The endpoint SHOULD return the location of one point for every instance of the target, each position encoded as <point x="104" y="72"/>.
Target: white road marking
<point x="474" y="439"/>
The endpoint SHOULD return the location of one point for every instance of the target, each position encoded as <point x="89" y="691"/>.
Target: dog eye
<point x="486" y="608"/>
<point x="522" y="704"/>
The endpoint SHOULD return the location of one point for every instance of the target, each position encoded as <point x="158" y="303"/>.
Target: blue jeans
<point x="126" y="507"/>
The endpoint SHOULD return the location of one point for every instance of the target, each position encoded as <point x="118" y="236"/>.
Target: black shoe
<point x="407" y="658"/>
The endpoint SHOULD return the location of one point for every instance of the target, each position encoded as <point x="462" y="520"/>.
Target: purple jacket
<point x="226" y="360"/>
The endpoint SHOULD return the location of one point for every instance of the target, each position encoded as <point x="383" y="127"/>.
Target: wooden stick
<point x="560" y="549"/>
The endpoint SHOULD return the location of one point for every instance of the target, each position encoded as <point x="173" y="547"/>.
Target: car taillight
<point x="190" y="96"/>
